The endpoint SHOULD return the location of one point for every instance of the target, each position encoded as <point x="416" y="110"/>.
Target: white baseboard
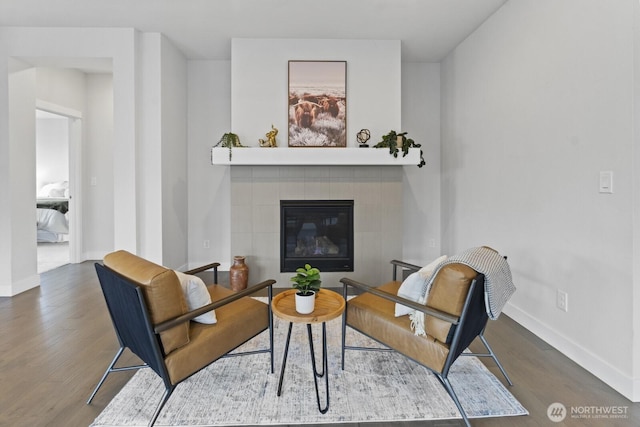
<point x="20" y="286"/>
<point x="622" y="383"/>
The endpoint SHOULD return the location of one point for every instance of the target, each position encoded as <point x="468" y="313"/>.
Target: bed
<point x="52" y="207"/>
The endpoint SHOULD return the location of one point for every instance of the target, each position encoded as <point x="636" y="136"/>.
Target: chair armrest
<point x="168" y="324"/>
<point x="405" y="265"/>
<point x="213" y="265"/>
<point x="391" y="297"/>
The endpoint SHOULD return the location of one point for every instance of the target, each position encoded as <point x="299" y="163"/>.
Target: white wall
<point x="161" y="192"/>
<point x="421" y="189"/>
<point x="52" y="151"/>
<point x="19" y="273"/>
<point x="535" y="104"/>
<point x="259" y="84"/>
<point x="97" y="162"/>
<point x="209" y="106"/>
<point x="61" y="87"/>
<point x="174" y="156"/>
<point x="6" y="280"/>
<point x="636" y="204"/>
<point x="149" y="188"/>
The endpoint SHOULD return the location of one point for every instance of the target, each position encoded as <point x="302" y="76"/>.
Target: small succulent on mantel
<point x="397" y="142"/>
<point x="229" y="140"/>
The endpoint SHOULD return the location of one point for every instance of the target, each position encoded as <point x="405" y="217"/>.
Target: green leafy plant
<point x="307" y="279"/>
<point x="397" y="142"/>
<point x="229" y="140"/>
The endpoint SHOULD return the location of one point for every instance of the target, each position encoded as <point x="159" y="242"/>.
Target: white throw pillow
<point x="411" y="287"/>
<point x="197" y="295"/>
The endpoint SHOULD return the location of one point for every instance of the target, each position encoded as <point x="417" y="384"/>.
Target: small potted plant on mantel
<point x="229" y="140"/>
<point x="397" y="142"/>
<point x="307" y="282"/>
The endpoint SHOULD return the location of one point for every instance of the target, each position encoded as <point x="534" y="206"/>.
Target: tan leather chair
<point x="455" y="315"/>
<point x="150" y="316"/>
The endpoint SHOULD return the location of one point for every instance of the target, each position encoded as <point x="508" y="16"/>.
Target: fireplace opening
<point x="318" y="232"/>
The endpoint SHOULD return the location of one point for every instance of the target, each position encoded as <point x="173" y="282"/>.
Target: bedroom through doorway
<point x="52" y="190"/>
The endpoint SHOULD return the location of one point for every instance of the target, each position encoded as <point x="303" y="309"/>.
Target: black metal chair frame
<point x="469" y="325"/>
<point x="135" y="331"/>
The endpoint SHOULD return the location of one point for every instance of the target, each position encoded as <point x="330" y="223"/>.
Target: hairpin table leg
<point x="325" y="366"/>
<point x="316" y="374"/>
<point x="284" y="358"/>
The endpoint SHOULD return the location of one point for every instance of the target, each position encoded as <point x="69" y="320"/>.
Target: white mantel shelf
<point x="306" y="156"/>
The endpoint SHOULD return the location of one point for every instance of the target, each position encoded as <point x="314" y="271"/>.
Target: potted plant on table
<point x="397" y="142"/>
<point x="307" y="282"/>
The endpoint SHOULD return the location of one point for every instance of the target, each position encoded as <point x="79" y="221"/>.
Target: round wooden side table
<point x="328" y="306"/>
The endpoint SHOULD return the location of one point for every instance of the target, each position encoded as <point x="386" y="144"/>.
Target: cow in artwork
<point x="330" y="105"/>
<point x="306" y="113"/>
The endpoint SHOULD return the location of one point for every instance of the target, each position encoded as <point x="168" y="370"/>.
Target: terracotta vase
<point x="238" y="274"/>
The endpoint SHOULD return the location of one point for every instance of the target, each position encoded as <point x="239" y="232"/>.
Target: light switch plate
<point x="606" y="182"/>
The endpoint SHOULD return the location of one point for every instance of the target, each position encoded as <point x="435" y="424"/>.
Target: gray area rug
<point x="374" y="387"/>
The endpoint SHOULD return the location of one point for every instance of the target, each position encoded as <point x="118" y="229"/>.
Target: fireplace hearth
<point x="318" y="232"/>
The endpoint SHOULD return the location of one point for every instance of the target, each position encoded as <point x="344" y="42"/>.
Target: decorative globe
<point x="363" y="136"/>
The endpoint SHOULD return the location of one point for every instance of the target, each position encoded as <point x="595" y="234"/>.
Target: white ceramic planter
<point x="305" y="303"/>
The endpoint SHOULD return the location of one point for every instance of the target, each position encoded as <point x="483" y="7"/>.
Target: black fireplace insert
<point x="318" y="232"/>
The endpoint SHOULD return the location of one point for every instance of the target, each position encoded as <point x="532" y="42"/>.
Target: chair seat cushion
<point x="237" y="322"/>
<point x="375" y="317"/>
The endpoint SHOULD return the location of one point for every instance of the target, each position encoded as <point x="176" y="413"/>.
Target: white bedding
<point x="52" y="225"/>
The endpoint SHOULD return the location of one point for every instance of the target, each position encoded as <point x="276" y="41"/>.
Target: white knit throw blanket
<point x="498" y="284"/>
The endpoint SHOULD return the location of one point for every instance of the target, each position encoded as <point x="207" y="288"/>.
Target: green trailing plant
<point x="307" y="279"/>
<point x="229" y="140"/>
<point x="390" y="141"/>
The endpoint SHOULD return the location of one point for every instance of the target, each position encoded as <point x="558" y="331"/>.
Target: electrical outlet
<point x="206" y="244"/>
<point x="562" y="300"/>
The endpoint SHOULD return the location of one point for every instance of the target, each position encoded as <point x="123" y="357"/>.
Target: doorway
<point x="56" y="205"/>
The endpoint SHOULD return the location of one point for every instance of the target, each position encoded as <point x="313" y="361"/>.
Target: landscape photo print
<point x="317" y="104"/>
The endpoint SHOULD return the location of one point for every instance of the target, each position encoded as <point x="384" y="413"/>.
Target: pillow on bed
<point x="197" y="295"/>
<point x="55" y="190"/>
<point x="411" y="287"/>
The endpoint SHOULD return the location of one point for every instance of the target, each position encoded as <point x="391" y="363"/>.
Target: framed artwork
<point x="317" y="104"/>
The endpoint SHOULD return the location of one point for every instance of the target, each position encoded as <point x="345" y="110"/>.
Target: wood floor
<point x="57" y="339"/>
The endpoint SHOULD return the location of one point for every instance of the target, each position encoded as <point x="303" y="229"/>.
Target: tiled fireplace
<point x="376" y="191"/>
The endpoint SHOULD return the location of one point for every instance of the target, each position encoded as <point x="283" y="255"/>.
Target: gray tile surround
<point x="256" y="192"/>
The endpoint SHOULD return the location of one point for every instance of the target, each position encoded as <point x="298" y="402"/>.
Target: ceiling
<point x="203" y="29"/>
